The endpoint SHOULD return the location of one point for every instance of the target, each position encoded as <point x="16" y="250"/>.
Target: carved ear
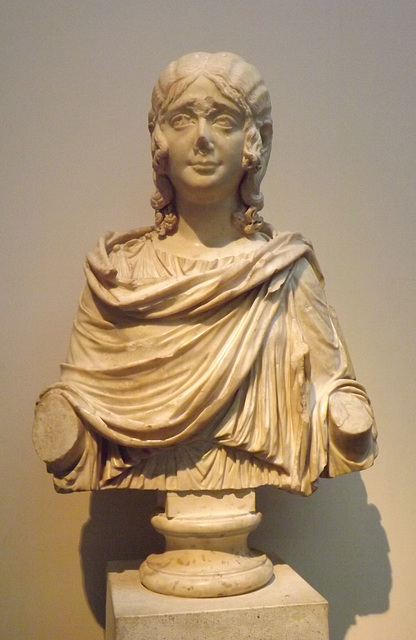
<point x="164" y="193"/>
<point x="266" y="133"/>
<point x="159" y="149"/>
<point x="250" y="185"/>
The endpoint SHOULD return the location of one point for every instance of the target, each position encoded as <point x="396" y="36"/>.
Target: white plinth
<point x="285" y="609"/>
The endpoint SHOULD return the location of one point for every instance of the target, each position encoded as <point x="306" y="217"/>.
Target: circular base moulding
<point x="206" y="557"/>
<point x="196" y="573"/>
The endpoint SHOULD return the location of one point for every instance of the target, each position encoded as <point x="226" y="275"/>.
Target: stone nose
<point x="204" y="141"/>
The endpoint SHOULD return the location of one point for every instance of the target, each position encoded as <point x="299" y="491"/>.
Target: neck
<point x="208" y="223"/>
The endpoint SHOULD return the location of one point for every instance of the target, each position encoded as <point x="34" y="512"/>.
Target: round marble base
<point x="206" y="547"/>
<point x="197" y="573"/>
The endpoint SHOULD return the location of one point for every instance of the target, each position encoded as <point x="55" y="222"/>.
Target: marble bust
<point x="204" y="355"/>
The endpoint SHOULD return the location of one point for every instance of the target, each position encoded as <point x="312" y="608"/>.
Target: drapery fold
<point x="196" y="374"/>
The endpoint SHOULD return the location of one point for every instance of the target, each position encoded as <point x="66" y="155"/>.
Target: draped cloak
<point x="194" y="374"/>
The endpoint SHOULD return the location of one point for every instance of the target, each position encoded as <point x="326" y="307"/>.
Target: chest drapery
<point x="233" y="359"/>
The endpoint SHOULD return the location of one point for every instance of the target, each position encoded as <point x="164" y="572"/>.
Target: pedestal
<point x="285" y="609"/>
<point x="206" y="552"/>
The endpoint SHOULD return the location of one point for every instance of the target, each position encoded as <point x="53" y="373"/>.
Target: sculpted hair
<point x="238" y="81"/>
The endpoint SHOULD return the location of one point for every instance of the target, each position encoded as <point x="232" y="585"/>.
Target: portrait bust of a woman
<point x="204" y="355"/>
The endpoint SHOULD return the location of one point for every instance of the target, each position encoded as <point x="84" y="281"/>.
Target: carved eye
<point x="180" y="120"/>
<point x="225" y="121"/>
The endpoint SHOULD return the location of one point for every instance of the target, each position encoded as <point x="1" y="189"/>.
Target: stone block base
<point x="287" y="608"/>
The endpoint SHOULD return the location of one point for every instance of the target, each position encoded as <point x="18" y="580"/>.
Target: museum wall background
<point x="76" y="84"/>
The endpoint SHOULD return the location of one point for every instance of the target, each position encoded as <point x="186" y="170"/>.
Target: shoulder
<point x="104" y="258"/>
<point x="305" y="272"/>
<point x="113" y="241"/>
<point x="293" y="250"/>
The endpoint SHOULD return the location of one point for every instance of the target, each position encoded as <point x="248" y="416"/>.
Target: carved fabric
<point x="195" y="374"/>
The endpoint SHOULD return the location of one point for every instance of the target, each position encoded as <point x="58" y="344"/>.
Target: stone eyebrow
<point x="207" y="106"/>
<point x="225" y="108"/>
<point x="184" y="104"/>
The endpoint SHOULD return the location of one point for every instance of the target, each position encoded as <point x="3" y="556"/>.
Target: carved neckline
<point x="215" y="254"/>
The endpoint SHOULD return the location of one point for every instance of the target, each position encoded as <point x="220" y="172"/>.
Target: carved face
<point x="205" y="135"/>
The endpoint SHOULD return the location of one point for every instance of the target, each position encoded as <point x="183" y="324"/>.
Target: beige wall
<point x="77" y="81"/>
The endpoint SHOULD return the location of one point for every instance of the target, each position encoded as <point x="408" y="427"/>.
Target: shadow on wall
<point x="118" y="529"/>
<point x="335" y="541"/>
